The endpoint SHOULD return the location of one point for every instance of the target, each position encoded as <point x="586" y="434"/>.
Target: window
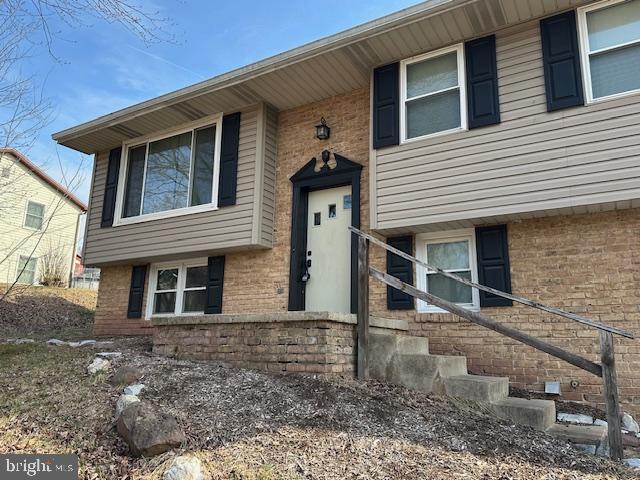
<point x="433" y="93"/>
<point x="171" y="175"/>
<point x="453" y="252"/>
<point x="34" y="217"/>
<point x="610" y="44"/>
<point x="27" y="267"/>
<point x="178" y="289"/>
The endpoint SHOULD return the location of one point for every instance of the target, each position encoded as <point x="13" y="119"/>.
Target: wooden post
<point x="610" y="391"/>
<point x="363" y="307"/>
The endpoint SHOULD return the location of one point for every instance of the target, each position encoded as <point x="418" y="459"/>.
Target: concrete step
<point x="539" y="414"/>
<point x="384" y="347"/>
<point x="410" y="345"/>
<point x="477" y="387"/>
<point x="424" y="372"/>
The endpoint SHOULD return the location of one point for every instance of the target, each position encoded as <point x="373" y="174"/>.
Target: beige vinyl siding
<point x="228" y="228"/>
<point x="534" y="161"/>
<point x="60" y="221"/>
<point x="269" y="176"/>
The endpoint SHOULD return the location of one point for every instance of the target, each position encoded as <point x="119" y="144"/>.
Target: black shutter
<point x="386" y="106"/>
<point x="493" y="264"/>
<point x="215" y="281"/>
<point x="136" y="291"/>
<point x="482" y="82"/>
<point x="401" y="269"/>
<point x="561" y="57"/>
<point x="229" y="160"/>
<point x="111" y="188"/>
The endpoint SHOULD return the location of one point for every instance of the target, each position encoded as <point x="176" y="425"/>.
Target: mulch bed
<point x="245" y="424"/>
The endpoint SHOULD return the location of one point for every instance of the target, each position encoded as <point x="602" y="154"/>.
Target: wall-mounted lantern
<point x="323" y="131"/>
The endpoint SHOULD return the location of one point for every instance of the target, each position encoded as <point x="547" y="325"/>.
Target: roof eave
<point x="261" y="67"/>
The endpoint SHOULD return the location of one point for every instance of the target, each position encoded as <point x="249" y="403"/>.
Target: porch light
<point x="322" y="131"/>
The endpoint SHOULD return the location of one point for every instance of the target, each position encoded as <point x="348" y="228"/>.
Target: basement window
<point x="610" y="45"/>
<point x="177" y="289"/>
<point x="170" y="175"/>
<point x="433" y="94"/>
<point x="453" y="252"/>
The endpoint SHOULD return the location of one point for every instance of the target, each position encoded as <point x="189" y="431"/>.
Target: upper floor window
<point x="610" y="41"/>
<point x="171" y="174"/>
<point x="433" y="93"/>
<point x="34" y="217"/>
<point x="453" y="252"/>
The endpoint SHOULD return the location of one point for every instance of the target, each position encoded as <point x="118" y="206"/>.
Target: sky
<point x="100" y="67"/>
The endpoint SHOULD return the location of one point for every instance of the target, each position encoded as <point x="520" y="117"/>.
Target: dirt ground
<point x="245" y="424"/>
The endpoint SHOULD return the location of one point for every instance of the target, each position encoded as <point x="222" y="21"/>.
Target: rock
<point x="586" y="448"/>
<point x="628" y="423"/>
<point x="98" y="365"/>
<point x="184" y="467"/>
<point x="149" y="431"/>
<point x="123" y="402"/>
<point x="109" y="354"/>
<point x="600" y="423"/>
<point x="575" y="418"/>
<point x="632" y="462"/>
<point x="56" y="342"/>
<point x="126" y="375"/>
<point x="134" y="389"/>
<point x="22" y="341"/>
<point x="82" y="343"/>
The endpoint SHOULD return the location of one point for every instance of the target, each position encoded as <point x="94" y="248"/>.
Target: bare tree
<point x="54" y="264"/>
<point x="27" y="25"/>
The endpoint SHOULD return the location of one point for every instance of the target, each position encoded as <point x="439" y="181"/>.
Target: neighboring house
<point x="39" y="221"/>
<point x="496" y="138"/>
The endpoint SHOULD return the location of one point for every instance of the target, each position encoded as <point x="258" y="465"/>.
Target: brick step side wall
<point x="312" y="346"/>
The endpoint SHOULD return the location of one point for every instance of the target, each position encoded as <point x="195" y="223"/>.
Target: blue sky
<point x="102" y="67"/>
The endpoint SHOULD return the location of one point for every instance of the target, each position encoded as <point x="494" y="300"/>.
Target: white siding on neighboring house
<point x="18" y="186"/>
<point x="578" y="159"/>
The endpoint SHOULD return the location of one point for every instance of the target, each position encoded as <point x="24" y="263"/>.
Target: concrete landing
<point x="580" y="434"/>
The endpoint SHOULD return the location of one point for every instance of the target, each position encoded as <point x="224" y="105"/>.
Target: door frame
<point x="308" y="179"/>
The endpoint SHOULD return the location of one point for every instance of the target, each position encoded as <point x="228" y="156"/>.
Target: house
<point x="495" y="138"/>
<point x="39" y="221"/>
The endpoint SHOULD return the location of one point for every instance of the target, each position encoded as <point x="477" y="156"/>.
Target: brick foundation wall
<point x="323" y="347"/>
<point x="588" y="264"/>
<point x="113" y="300"/>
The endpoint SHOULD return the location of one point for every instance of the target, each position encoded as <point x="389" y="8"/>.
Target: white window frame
<point x="181" y="266"/>
<point x="422" y="240"/>
<point x="145" y="140"/>
<point x="585" y="53"/>
<point x="462" y="86"/>
<point x="26" y="211"/>
<point x="35" y="272"/>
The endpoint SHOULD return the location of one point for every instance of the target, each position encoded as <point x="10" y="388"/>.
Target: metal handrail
<point x="524" y="301"/>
